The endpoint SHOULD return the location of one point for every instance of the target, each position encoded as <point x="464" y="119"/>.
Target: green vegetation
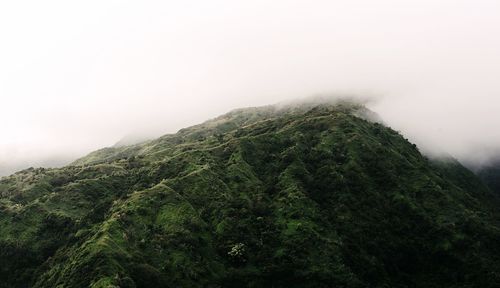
<point x="300" y="196"/>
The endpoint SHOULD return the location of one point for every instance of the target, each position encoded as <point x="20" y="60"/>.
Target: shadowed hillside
<point x="490" y="174"/>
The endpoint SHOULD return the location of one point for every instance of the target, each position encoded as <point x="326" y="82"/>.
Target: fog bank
<point x="78" y="76"/>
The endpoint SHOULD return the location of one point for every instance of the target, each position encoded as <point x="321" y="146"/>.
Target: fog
<point x="76" y="76"/>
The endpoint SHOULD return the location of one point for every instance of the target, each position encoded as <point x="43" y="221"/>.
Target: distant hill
<point x="298" y="195"/>
<point x="132" y="139"/>
<point x="9" y="166"/>
<point x="490" y="174"/>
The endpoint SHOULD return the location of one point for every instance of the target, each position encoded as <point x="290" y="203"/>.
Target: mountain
<point x="490" y="174"/>
<point x="9" y="164"/>
<point x="300" y="195"/>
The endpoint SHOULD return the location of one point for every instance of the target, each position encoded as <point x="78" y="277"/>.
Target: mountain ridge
<point x="301" y="196"/>
<point x="237" y="118"/>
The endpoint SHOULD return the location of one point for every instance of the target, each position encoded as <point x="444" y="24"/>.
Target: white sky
<point x="79" y="75"/>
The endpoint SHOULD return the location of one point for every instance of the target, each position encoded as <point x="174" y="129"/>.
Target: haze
<point x="76" y="76"/>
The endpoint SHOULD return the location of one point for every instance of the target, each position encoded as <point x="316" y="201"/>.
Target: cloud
<point x="77" y="76"/>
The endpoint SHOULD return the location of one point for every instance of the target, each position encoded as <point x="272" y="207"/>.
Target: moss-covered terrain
<point x="296" y="196"/>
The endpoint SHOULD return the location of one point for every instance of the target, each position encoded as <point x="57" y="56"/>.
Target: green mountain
<point x="311" y="195"/>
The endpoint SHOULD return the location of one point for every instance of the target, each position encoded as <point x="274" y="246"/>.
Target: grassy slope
<point x="303" y="196"/>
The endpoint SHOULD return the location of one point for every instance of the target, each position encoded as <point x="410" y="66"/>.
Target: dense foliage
<point x="298" y="196"/>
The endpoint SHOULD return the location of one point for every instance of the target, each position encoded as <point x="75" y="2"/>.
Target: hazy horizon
<point x="76" y="77"/>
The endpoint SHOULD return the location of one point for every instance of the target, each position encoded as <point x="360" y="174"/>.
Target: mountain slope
<point x="297" y="196"/>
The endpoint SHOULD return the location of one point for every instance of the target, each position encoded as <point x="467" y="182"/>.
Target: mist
<point x="76" y="76"/>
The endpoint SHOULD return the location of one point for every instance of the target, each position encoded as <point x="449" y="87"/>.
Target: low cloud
<point x="79" y="76"/>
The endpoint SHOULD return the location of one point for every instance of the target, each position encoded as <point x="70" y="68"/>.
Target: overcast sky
<point x="79" y="75"/>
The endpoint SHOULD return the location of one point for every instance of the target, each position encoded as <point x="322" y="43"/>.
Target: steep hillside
<point x="296" y="196"/>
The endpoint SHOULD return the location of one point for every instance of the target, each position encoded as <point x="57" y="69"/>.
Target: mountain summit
<point x="297" y="195"/>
